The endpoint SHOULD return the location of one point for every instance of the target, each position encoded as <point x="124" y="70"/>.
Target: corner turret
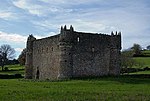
<point x="28" y="64"/>
<point x="115" y="59"/>
<point x="66" y="35"/>
<point x="66" y="42"/>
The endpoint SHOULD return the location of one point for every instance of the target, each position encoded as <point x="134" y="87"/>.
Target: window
<point x="78" y="39"/>
<point x="93" y="49"/>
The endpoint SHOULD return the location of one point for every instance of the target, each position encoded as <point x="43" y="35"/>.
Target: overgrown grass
<point x="100" y="89"/>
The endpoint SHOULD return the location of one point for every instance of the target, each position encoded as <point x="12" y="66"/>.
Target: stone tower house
<point x="73" y="54"/>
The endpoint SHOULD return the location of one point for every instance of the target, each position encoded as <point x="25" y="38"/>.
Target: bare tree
<point x="6" y="53"/>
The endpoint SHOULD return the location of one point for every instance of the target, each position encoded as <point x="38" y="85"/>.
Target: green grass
<point x="146" y="52"/>
<point x="144" y="60"/>
<point x="13" y="72"/>
<point x="141" y="72"/>
<point x="13" y="69"/>
<point x="100" y="89"/>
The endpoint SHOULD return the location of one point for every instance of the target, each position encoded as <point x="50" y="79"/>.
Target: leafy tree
<point x="22" y="57"/>
<point x="6" y="53"/>
<point x="126" y="59"/>
<point x="148" y="47"/>
<point x="136" y="49"/>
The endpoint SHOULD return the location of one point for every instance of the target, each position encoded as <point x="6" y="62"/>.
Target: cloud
<point x="39" y="9"/>
<point x="45" y="24"/>
<point x="68" y="2"/>
<point x="100" y="16"/>
<point x="30" y="7"/>
<point x="43" y="36"/>
<point x="12" y="37"/>
<point x="18" y="38"/>
<point x="18" y="41"/>
<point x="6" y="15"/>
<point x="19" y="49"/>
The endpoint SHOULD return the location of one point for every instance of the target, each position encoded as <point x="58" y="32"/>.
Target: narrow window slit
<point x="78" y="39"/>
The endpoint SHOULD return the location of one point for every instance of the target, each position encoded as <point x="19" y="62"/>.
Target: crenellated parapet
<point x="67" y="35"/>
<point x="116" y="40"/>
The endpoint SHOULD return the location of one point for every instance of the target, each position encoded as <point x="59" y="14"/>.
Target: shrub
<point x="6" y="69"/>
<point x="146" y="68"/>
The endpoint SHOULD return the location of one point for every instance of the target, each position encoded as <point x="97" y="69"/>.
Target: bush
<point x="6" y="76"/>
<point x="18" y="76"/>
<point x="146" y="68"/>
<point x="6" y="69"/>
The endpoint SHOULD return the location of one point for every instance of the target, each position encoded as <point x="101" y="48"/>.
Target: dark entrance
<point x="37" y="73"/>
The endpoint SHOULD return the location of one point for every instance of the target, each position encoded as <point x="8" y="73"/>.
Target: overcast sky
<point x="42" y="18"/>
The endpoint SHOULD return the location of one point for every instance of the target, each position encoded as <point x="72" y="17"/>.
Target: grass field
<point x="100" y="89"/>
<point x="123" y="88"/>
<point x="141" y="72"/>
<point x="146" y="52"/>
<point x="144" y="60"/>
<point x="13" y="69"/>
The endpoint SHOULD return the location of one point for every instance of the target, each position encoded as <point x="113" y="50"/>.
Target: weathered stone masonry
<point x="73" y="54"/>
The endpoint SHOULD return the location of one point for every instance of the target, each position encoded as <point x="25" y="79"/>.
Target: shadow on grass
<point x="14" y="76"/>
<point x="11" y="70"/>
<point x="131" y="79"/>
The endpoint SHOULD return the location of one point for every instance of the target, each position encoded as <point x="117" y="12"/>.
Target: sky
<point x="43" y="18"/>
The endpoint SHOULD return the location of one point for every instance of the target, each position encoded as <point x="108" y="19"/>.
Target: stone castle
<point x="73" y="54"/>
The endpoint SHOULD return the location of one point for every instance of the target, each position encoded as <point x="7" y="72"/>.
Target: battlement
<point x="71" y="29"/>
<point x="73" y="54"/>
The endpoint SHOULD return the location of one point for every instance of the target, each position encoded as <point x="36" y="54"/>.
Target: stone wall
<point x="46" y="58"/>
<point x="91" y="55"/>
<point x="73" y="54"/>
